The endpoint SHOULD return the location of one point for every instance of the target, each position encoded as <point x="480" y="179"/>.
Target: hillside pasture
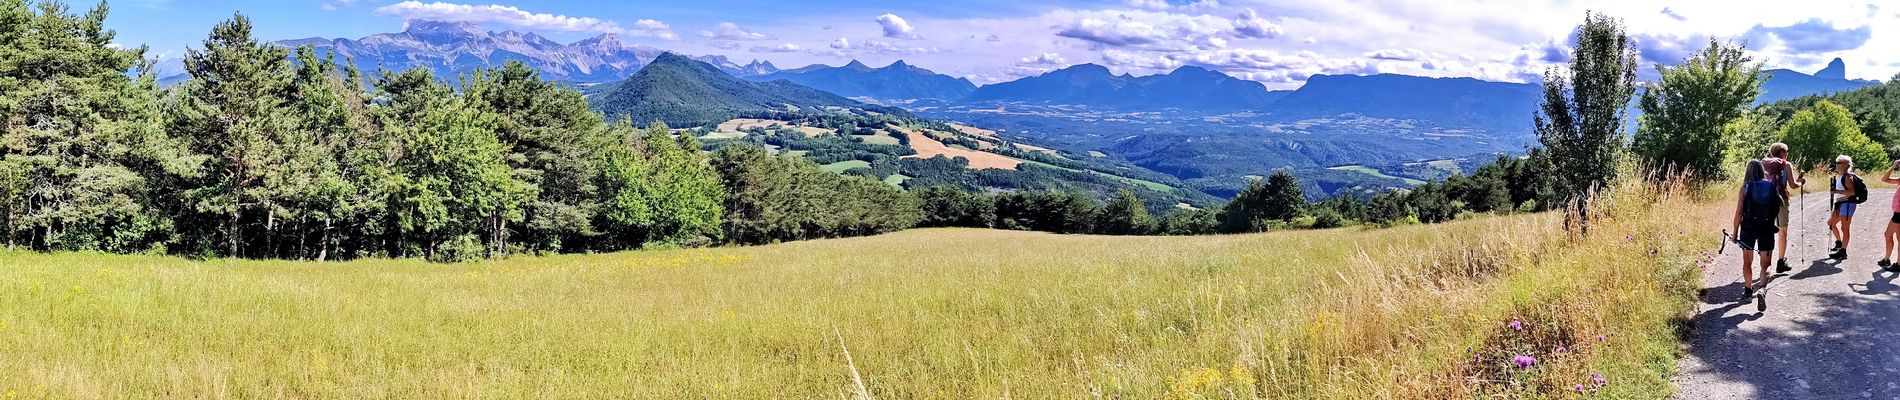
<point x="1418" y="311"/>
<point x="741" y="125"/>
<point x="928" y="147"/>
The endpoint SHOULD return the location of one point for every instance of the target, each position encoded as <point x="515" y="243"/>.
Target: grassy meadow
<point x="1407" y="312"/>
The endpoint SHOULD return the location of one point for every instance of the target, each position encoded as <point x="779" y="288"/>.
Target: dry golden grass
<point x="928" y="147"/>
<point x="738" y="126"/>
<point x="940" y="313"/>
<point x="974" y="131"/>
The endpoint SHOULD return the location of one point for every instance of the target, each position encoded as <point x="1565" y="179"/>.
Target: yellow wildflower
<point x="1241" y="375"/>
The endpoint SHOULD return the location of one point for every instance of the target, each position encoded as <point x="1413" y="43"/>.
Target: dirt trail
<point x="1832" y="329"/>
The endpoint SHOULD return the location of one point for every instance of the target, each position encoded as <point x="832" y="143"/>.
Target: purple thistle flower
<point x="1601" y="338"/>
<point x="1598" y="379"/>
<point x="1517" y="325"/>
<point x="1561" y="349"/>
<point x="1524" y="361"/>
<point x="1579" y="388"/>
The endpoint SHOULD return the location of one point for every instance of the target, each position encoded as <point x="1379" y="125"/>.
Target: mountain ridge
<point x="455" y="48"/>
<point x="897" y="81"/>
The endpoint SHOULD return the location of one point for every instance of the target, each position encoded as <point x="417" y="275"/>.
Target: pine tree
<point x="81" y="149"/>
<point x="232" y="110"/>
<point x="320" y="177"/>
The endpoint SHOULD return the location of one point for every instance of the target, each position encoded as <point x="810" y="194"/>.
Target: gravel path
<point x="1832" y="329"/>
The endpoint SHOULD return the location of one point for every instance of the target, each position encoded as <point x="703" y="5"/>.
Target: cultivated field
<point x="927" y="147"/>
<point x="1407" y="312"/>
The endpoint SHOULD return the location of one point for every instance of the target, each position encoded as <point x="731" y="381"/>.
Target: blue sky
<point x="1279" y="42"/>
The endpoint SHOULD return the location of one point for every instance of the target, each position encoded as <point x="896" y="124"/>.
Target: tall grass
<point x="1408" y="312"/>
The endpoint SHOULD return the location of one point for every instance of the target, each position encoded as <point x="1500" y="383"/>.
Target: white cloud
<point x="1396" y="54"/>
<point x="731" y="31"/>
<point x="1044" y="59"/>
<point x="1250" y="25"/>
<point x="516" y="17"/>
<point x="1284" y="41"/>
<point x="781" y="48"/>
<point x="896" y="27"/>
<point x="844" y="47"/>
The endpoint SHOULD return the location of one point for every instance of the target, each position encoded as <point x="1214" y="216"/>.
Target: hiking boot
<point x="1837" y="246"/>
<point x="1748" y="294"/>
<point x="1840" y="254"/>
<point x="1885" y="264"/>
<point x="1781" y="266"/>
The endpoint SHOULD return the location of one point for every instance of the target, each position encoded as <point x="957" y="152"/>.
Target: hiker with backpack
<point x="1852" y="191"/>
<point x="1756" y="208"/>
<point x="1778" y="169"/>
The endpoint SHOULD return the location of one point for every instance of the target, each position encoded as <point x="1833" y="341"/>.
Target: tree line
<point x="268" y="152"/>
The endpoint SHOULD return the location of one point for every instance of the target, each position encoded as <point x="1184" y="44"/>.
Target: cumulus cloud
<point x="1169" y="31"/>
<point x="1044" y="59"/>
<point x="516" y="17"/>
<point x="896" y="27"/>
<point x="1250" y="25"/>
<point x="781" y="48"/>
<point x="1811" y="36"/>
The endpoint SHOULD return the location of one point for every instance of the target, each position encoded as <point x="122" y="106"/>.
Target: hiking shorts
<point x="1896" y="218"/>
<point x="1782" y="219"/>
<point x="1759" y="240"/>
<point x="1846" y="209"/>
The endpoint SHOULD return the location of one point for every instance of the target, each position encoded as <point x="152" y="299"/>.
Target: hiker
<point x="1778" y="169"/>
<point x="1892" y="235"/>
<point x="1754" y="226"/>
<point x="1852" y="191"/>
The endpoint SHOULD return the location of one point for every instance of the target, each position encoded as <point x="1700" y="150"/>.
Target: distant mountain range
<point x="685" y="92"/>
<point x="898" y="81"/>
<point x="1785" y="84"/>
<point x="454" y="48"/>
<point x="1187" y="87"/>
<point x="1454" y="102"/>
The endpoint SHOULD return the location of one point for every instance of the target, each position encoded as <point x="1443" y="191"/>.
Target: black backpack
<point x="1761" y="204"/>
<point x="1860" y="190"/>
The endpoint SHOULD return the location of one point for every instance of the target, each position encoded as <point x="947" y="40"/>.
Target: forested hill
<point x="1875" y="108"/>
<point x="684" y="92"/>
